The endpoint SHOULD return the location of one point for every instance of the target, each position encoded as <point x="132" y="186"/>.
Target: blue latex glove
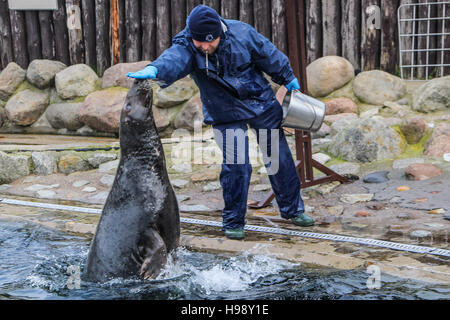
<point x="293" y="85"/>
<point x="149" y="72"/>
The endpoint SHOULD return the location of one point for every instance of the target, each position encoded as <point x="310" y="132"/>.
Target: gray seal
<point x="140" y="222"/>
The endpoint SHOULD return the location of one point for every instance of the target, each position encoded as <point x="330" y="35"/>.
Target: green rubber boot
<point x="235" y="234"/>
<point x="303" y="220"/>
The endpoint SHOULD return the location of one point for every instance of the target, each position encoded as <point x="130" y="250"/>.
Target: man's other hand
<point x="293" y="85"/>
<point x="149" y="72"/>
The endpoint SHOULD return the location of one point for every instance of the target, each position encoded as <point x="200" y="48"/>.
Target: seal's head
<point x="137" y="109"/>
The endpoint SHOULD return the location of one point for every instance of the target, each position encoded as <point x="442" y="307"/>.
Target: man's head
<point x="205" y="27"/>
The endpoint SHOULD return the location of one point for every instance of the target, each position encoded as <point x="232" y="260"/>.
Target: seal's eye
<point x="128" y="107"/>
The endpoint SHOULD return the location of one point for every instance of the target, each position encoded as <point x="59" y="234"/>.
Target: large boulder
<point x="13" y="167"/>
<point x="375" y="87"/>
<point x="414" y="129"/>
<point x="439" y="143"/>
<point x="64" y="115"/>
<point x="41" y="73"/>
<point x="341" y="105"/>
<point x="328" y="74"/>
<point x="101" y="109"/>
<point x="116" y="76"/>
<point x="434" y="95"/>
<point x="27" y="106"/>
<point x="76" y="81"/>
<point x="177" y="93"/>
<point x="161" y="120"/>
<point x="10" y="78"/>
<point x="44" y="163"/>
<point x="366" y="140"/>
<point x="190" y="113"/>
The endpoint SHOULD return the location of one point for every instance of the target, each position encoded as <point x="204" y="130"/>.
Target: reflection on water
<point x="35" y="261"/>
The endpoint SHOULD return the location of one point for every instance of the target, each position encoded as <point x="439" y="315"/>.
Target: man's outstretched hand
<point x="149" y="72"/>
<point x="293" y="85"/>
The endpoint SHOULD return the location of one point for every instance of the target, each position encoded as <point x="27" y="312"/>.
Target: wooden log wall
<point x="81" y="31"/>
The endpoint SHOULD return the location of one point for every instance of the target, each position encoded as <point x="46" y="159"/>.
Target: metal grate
<point x="424" y="40"/>
<point x="312" y="235"/>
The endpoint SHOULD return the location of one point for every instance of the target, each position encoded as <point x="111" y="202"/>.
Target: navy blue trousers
<point x="236" y="168"/>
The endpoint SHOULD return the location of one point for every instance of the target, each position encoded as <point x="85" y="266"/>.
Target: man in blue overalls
<point x="226" y="59"/>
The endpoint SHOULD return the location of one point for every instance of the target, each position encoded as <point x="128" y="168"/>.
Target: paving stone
<point x="89" y="189"/>
<point x="420" y="234"/>
<point x="80" y="183"/>
<point x="107" y="180"/>
<point x="195" y="208"/>
<point x="212" y="186"/>
<point x="46" y="193"/>
<point x="179" y="183"/>
<point x="355" y="198"/>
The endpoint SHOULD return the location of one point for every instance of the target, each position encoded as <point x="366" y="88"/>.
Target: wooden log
<point x="114" y="22"/>
<point x="33" y="35"/>
<point x="389" y="36"/>
<point x="163" y="39"/>
<point x="178" y="15"/>
<point x="370" y="37"/>
<point x="313" y="30"/>
<point x="61" y="33"/>
<point x="215" y="4"/>
<point x="123" y="30"/>
<point x="442" y="56"/>
<point x="262" y="17"/>
<point x="351" y="32"/>
<point x="6" y="48"/>
<point x="149" y="30"/>
<point x="191" y="4"/>
<point x="133" y="25"/>
<point x="75" y="31"/>
<point x="279" y="30"/>
<point x="88" y="15"/>
<point x="331" y="23"/>
<point x="102" y="38"/>
<point x="230" y="9"/>
<point x="47" y="35"/>
<point x="246" y="11"/>
<point x="19" y="38"/>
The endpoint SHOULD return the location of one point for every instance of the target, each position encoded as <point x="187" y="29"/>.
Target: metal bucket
<point x="302" y="112"/>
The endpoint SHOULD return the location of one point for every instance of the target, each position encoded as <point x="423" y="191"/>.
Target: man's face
<point x="204" y="46"/>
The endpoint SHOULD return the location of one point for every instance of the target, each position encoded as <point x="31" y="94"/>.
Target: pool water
<point x="40" y="263"/>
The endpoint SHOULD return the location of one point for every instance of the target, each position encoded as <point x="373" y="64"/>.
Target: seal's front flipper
<point x="154" y="253"/>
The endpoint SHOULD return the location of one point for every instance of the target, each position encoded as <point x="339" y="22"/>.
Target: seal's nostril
<point x="127" y="107"/>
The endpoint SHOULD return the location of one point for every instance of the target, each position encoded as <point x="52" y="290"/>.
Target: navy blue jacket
<point x="234" y="88"/>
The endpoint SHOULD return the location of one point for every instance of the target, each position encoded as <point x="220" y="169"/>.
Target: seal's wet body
<point x="140" y="221"/>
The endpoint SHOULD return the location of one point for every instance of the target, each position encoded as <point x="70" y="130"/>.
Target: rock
<point x="326" y="220"/>
<point x="403" y="188"/>
<point x="405" y="163"/>
<point x="414" y="129"/>
<point x="404" y="216"/>
<point x="436" y="211"/>
<point x="328" y="74"/>
<point x="341" y="105"/>
<point x="375" y="87"/>
<point x="342" y="123"/>
<point x="4" y="187"/>
<point x="327" y="188"/>
<point x="319" y="144"/>
<point x="182" y="197"/>
<point x="179" y="183"/>
<point x="80" y="183"/>
<point x="420" y="171"/>
<point x="108" y="166"/>
<point x="195" y="208"/>
<point x="212" y="186"/>
<point x="177" y="93"/>
<point x="369" y="113"/>
<point x="101" y="110"/>
<point x="356" y="226"/>
<point x="71" y="163"/>
<point x="191" y="113"/>
<point x="10" y="79"/>
<point x="434" y="95"/>
<point x="336" y="117"/>
<point x="161" y="120"/>
<point x="41" y="73"/>
<point x="365" y="141"/>
<point x="44" y="163"/>
<point x="335" y="210"/>
<point x="322" y="132"/>
<point x="355" y="198"/>
<point x="101" y="196"/>
<point x="46" y="194"/>
<point x="204" y="176"/>
<point x="107" y="180"/>
<point x="89" y="189"/>
<point x="76" y="81"/>
<point x="99" y="158"/>
<point x="262" y="187"/>
<point x="420" y="234"/>
<point x="27" y="106"/>
<point x="13" y="167"/>
<point x="377" y="177"/>
<point x="64" y="115"/>
<point x="321" y="157"/>
<point x="346" y="168"/>
<point x="439" y="143"/>
<point x="363" y="214"/>
<point x="182" y="167"/>
<point x="116" y="76"/>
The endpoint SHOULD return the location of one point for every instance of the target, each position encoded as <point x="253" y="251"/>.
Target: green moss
<point x="25" y="85"/>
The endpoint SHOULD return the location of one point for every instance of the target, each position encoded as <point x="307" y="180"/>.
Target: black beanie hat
<point x="204" y="24"/>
